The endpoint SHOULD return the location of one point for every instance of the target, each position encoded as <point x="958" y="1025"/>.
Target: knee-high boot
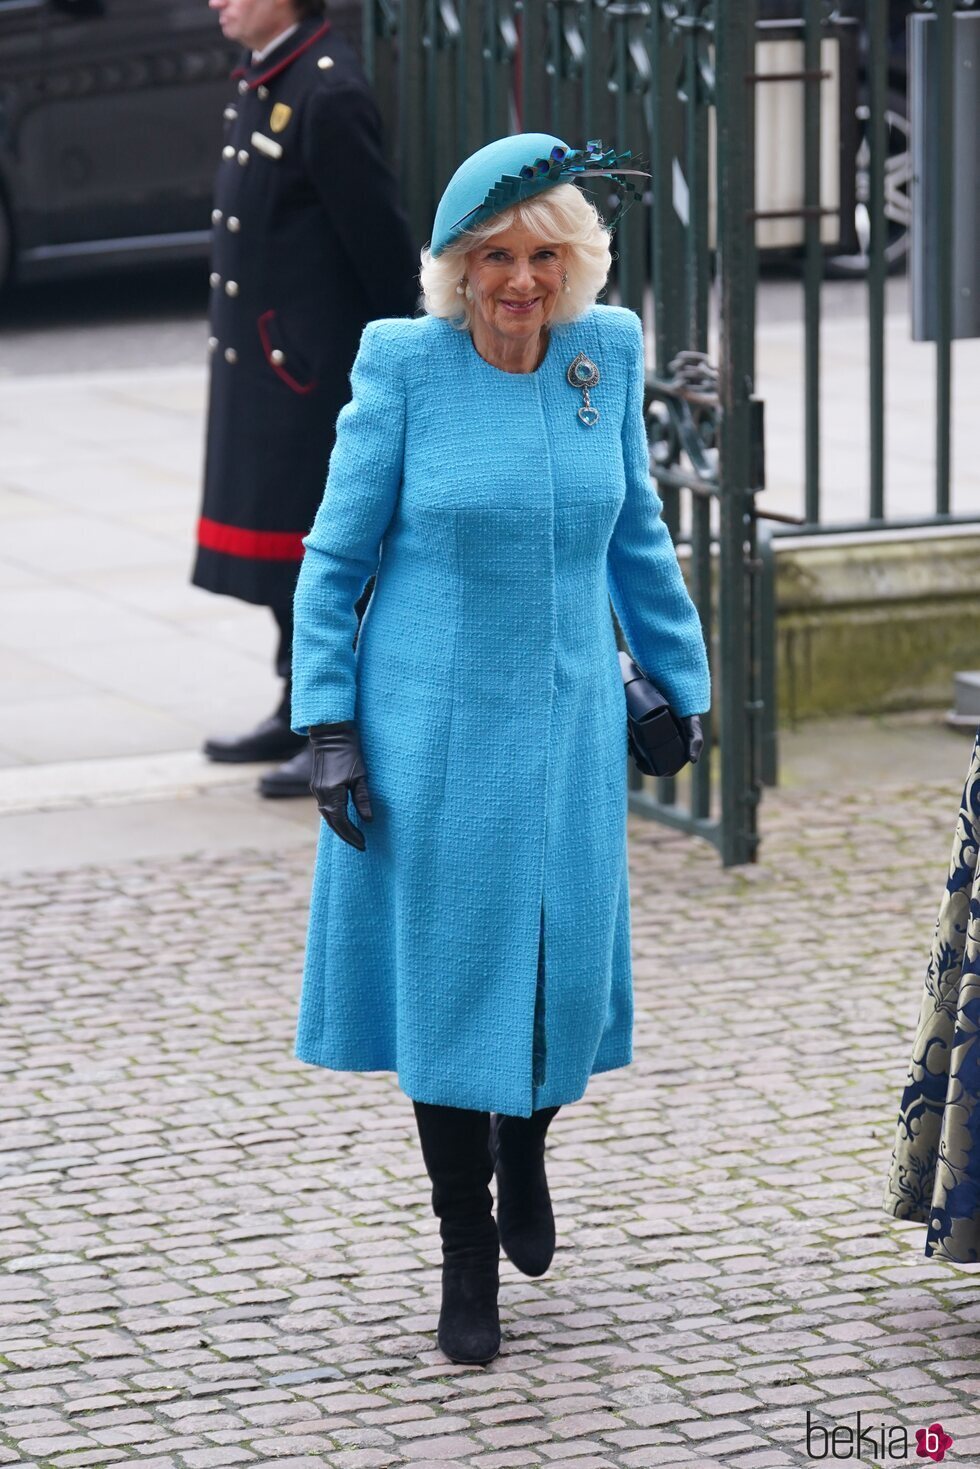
<point x="525" y="1217"/>
<point x="456" y="1150"/>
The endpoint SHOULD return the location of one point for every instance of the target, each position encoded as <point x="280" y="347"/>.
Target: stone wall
<point x="875" y="622"/>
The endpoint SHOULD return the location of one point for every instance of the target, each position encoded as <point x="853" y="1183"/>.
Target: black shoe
<point x="455" y="1146"/>
<point x="270" y="740"/>
<point x="292" y="778"/>
<point x="525" y="1217"/>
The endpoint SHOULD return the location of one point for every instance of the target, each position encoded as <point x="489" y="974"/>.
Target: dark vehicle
<point x="110" y="126"/>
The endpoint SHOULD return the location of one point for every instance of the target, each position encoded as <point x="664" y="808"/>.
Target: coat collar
<point x="283" y="56"/>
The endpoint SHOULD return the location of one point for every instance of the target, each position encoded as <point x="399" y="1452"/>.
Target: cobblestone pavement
<point x="216" y="1256"/>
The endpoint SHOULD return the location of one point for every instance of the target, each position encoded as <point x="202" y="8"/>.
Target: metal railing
<point x="885" y="175"/>
<point x="885" y="206"/>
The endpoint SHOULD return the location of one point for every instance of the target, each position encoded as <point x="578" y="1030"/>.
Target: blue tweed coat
<point x="480" y="946"/>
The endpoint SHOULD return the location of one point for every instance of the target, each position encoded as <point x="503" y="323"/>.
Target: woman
<point x="477" y="942"/>
<point x="935" y="1172"/>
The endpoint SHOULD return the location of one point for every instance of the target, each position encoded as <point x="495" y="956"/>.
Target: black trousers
<point x="284" y="656"/>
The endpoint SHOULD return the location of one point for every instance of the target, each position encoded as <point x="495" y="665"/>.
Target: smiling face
<point x="516" y="278"/>
<point x="254" y="23"/>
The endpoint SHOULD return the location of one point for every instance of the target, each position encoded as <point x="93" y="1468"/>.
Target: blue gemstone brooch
<point x="583" y="374"/>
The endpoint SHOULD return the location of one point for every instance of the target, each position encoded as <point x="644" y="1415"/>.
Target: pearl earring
<point x="564" y="281"/>
<point x="459" y="285"/>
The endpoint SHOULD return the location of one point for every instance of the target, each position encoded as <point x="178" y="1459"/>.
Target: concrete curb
<point x="126" y="778"/>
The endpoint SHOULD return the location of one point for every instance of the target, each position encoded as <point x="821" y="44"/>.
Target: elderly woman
<point x="492" y="466"/>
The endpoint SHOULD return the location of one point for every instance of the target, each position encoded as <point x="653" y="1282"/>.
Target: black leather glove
<point x="338" y="770"/>
<point x="691" y="725"/>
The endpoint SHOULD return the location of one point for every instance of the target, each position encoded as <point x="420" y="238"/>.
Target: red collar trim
<point x="280" y="66"/>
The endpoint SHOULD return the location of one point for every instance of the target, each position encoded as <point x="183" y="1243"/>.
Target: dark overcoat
<point x="309" y="244"/>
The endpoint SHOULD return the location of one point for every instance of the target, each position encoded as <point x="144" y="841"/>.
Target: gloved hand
<point x="338" y="769"/>
<point x="691" y="725"/>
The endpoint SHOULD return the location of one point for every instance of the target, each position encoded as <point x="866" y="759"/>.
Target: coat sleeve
<point x="658" y="618"/>
<point x="349" y="171"/>
<point x="342" y="549"/>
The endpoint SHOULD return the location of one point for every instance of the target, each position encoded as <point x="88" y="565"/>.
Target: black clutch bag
<point x="656" y="737"/>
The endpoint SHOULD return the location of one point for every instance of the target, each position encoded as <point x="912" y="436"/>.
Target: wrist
<point x="331" y="728"/>
<point x="344" y="727"/>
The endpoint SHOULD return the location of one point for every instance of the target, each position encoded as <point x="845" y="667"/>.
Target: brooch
<point x="583" y="374"/>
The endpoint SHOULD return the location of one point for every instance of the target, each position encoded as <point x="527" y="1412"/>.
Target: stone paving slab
<point x="217" y="822"/>
<point x="213" y="1255"/>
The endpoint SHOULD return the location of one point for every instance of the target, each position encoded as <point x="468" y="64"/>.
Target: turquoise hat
<point x="516" y="168"/>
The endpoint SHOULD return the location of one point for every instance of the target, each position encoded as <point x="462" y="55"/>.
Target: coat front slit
<point x="479" y="947"/>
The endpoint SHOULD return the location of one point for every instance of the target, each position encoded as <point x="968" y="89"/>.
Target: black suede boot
<point x="524" y="1214"/>
<point x="455" y="1147"/>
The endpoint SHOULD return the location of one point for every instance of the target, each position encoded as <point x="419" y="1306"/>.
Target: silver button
<point x="227" y="151"/>
<point x="263" y="93"/>
<point x="231" y="355"/>
<point x="242" y="87"/>
<point x="277" y="357"/>
<point x="233" y="224"/>
<point x="230" y="114"/>
<point x="231" y="288"/>
<point x="216" y="216"/>
<point x="325" y="63"/>
<point x="242" y="156"/>
<point x="212" y="343"/>
<point x="214" y="279"/>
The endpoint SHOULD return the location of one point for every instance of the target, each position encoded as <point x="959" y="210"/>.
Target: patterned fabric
<point x="480" y="946"/>
<point x="935" y="1172"/>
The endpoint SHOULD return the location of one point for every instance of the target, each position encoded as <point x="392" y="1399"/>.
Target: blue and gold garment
<point x="935" y="1172"/>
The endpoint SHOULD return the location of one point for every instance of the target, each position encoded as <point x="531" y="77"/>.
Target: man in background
<point x="309" y="243"/>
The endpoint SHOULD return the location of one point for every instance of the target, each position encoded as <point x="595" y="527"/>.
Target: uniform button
<point x="216" y="216"/>
<point x="214" y="279"/>
<point x="242" y="87"/>
<point x="227" y="151"/>
<point x="233" y="224"/>
<point x="263" y="93"/>
<point x="230" y="114"/>
<point x="231" y="355"/>
<point x="212" y="343"/>
<point x="277" y="357"/>
<point x="243" y="156"/>
<point x="231" y="288"/>
<point x="325" y="63"/>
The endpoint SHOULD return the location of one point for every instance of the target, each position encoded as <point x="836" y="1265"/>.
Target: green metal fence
<point x="679" y="82"/>
<point x="882" y="201"/>
<point x="884" y="172"/>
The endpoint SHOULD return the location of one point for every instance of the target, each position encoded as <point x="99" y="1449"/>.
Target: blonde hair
<point x="562" y="215"/>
